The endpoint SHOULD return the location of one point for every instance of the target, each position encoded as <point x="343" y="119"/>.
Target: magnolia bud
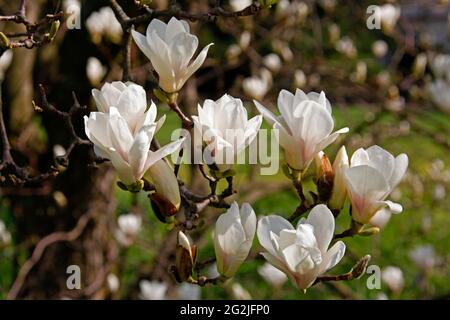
<point x="186" y="256"/>
<point x="4" y="40"/>
<point x="419" y="65"/>
<point x="54" y="29"/>
<point x="167" y="195"/>
<point x="324" y="176"/>
<point x="339" y="192"/>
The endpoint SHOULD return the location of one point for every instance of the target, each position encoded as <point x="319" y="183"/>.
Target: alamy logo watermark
<point x="374" y="19"/>
<point x="373" y="281"/>
<point x="73" y="12"/>
<point x="73" y="281"/>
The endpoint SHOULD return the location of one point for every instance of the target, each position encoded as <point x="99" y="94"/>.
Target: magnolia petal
<point x="269" y="224"/>
<point x="333" y="256"/>
<point x="268" y="115"/>
<point x="197" y="63"/>
<point x="141" y="42"/>
<point x="322" y="220"/>
<point x="163" y="152"/>
<point x="401" y="165"/>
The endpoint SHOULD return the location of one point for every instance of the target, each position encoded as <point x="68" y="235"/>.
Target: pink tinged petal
<point x="401" y="165"/>
<point x="322" y="220"/>
<point x="333" y="256"/>
<point x="269" y="224"/>
<point x="366" y="187"/>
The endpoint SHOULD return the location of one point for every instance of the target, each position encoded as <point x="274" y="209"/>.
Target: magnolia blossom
<point x="113" y="282"/>
<point x="257" y="87"/>
<point x="305" y="126"/>
<point x="95" y="71"/>
<point x="233" y="238"/>
<point x="389" y="15"/>
<point x="440" y="65"/>
<point x="5" y="62"/>
<point x="170" y="48"/>
<point x="129" y="226"/>
<point x="393" y="278"/>
<point x="123" y="130"/>
<point x="424" y="257"/>
<point x="104" y="23"/>
<point x="224" y="126"/>
<point x="272" y="275"/>
<point x="301" y="253"/>
<point x="380" y="48"/>
<point x="273" y="62"/>
<point x="299" y="78"/>
<point x="373" y="175"/>
<point x="346" y="47"/>
<point x="439" y="91"/>
<point x="5" y="236"/>
<point x="152" y="290"/>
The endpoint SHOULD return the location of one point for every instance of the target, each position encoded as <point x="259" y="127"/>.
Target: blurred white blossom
<point x="187" y="291"/>
<point x="393" y="277"/>
<point x="5" y="235"/>
<point x="273" y="62"/>
<point x="113" y="282"/>
<point x="238" y="5"/>
<point x="129" y="226"/>
<point x="103" y="23"/>
<point x="95" y="71"/>
<point x="389" y="15"/>
<point x="239" y="292"/>
<point x="346" y="47"/>
<point x="424" y="256"/>
<point x="380" y="48"/>
<point x="152" y="290"/>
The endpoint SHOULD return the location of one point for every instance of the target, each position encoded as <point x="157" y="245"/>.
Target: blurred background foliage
<point x="374" y="79"/>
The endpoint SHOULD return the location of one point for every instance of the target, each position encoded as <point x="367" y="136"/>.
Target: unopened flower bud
<point x="339" y="192"/>
<point x="186" y="255"/>
<point x="324" y="176"/>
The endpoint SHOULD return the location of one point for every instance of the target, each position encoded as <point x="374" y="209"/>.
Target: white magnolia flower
<point x="373" y="175"/>
<point x="170" y="48"/>
<point x="95" y="71"/>
<point x="129" y="226"/>
<point x="256" y="87"/>
<point x="5" y="235"/>
<point x="439" y="91"/>
<point x="272" y="275"/>
<point x="302" y="253"/>
<point x="152" y="290"/>
<point x="305" y="126"/>
<point x="123" y="130"/>
<point x="346" y="47"/>
<point x="389" y="15"/>
<point x="440" y="65"/>
<point x="238" y="5"/>
<point x="224" y="126"/>
<point x="5" y="62"/>
<point x="104" y="23"/>
<point x="273" y="62"/>
<point x="380" y="48"/>
<point x="113" y="282"/>
<point x="339" y="192"/>
<point x="59" y="150"/>
<point x="187" y="291"/>
<point x="299" y="78"/>
<point x="424" y="257"/>
<point x="393" y="278"/>
<point x="233" y="238"/>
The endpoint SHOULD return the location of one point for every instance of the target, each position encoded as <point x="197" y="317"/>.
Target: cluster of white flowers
<point x="123" y="128"/>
